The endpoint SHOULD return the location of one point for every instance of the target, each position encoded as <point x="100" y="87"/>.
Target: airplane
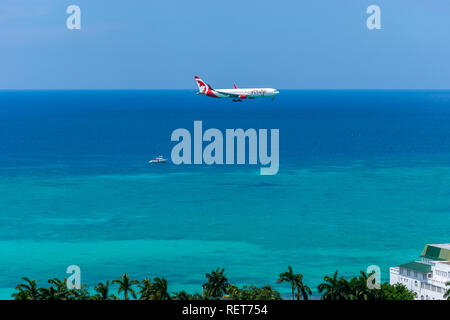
<point x="236" y="93"/>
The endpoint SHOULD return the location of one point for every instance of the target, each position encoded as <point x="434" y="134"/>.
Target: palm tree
<point x="60" y="287"/>
<point x="359" y="289"/>
<point x="252" y="292"/>
<point x="21" y="295"/>
<point x="126" y="285"/>
<point x="267" y="293"/>
<point x="302" y="289"/>
<point x="49" y="293"/>
<point x="334" y="288"/>
<point x="182" y="295"/>
<point x="146" y="289"/>
<point x="217" y="284"/>
<point x="80" y="294"/>
<point x="27" y="290"/>
<point x="102" y="290"/>
<point x="160" y="289"/>
<point x="447" y="293"/>
<point x="289" y="277"/>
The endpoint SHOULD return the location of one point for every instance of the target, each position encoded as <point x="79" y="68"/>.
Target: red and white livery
<point x="237" y="94"/>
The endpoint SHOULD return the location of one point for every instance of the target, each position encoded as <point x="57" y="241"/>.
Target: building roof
<point x="439" y="252"/>
<point x="416" y="266"/>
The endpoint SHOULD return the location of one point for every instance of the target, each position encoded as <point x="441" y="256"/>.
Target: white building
<point x="426" y="277"/>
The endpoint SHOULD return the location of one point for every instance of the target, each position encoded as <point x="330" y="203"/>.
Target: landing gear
<point x="237" y="100"/>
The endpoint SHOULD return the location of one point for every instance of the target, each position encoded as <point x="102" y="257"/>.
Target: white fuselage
<point x="249" y="93"/>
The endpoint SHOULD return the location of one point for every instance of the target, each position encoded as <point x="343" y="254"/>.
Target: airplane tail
<point x="202" y="86"/>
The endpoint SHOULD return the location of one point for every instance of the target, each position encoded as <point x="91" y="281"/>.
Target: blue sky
<point x="287" y="44"/>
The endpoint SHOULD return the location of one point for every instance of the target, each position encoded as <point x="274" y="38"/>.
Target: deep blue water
<point x="364" y="179"/>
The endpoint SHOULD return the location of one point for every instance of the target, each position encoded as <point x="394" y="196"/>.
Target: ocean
<point x="364" y="179"/>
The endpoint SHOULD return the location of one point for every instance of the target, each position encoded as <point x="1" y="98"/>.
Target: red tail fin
<point x="202" y="86"/>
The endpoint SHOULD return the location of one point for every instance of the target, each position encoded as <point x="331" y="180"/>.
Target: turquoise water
<point x="355" y="189"/>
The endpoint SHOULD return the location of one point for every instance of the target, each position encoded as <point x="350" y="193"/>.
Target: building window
<point x="441" y="273"/>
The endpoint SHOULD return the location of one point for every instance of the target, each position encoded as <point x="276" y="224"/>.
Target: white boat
<point x="159" y="159"/>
